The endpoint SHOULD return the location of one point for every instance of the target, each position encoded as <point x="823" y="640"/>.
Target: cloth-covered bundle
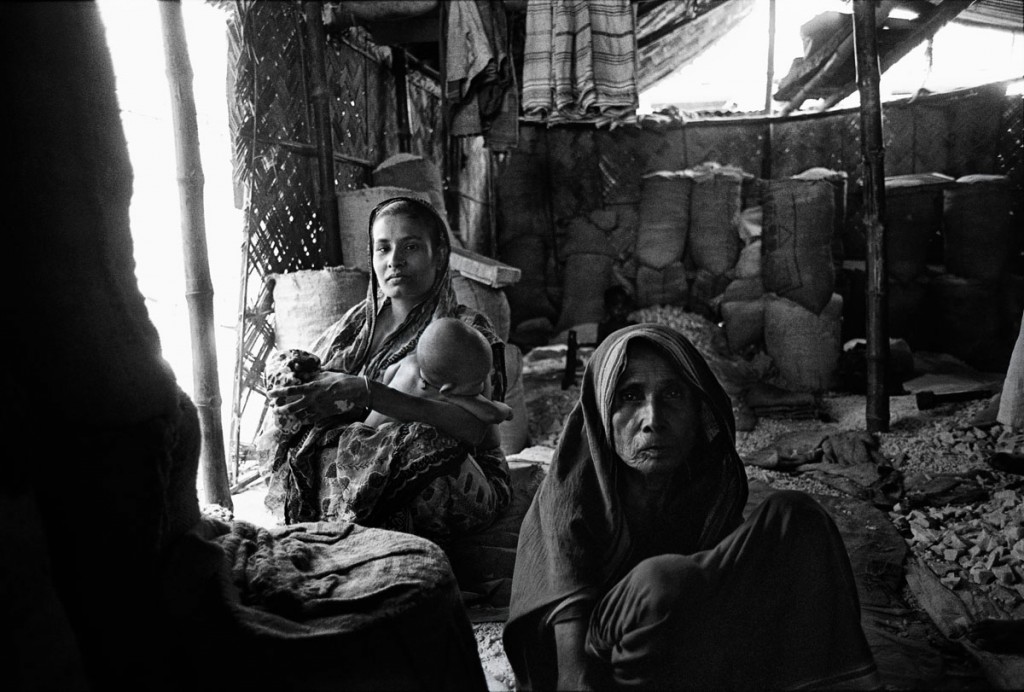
<point x="319" y="606"/>
<point x="579" y="61"/>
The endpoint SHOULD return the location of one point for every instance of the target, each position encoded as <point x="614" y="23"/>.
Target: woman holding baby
<point x="393" y="432"/>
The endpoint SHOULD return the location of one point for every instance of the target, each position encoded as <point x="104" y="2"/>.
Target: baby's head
<point x="453" y="357"/>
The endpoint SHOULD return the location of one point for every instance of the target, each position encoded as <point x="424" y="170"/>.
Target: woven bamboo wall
<point x="275" y="163"/>
<point x="978" y="130"/>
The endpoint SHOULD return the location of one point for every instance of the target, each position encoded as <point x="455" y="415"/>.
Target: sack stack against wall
<point x="804" y="345"/>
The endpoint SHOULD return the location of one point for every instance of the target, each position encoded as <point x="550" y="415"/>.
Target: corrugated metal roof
<point x="1002" y="14"/>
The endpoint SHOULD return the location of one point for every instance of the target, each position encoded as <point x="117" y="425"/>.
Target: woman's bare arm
<point x="446" y="417"/>
<point x="321" y="397"/>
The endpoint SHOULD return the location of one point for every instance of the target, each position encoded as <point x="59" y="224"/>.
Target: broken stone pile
<point x="981" y="544"/>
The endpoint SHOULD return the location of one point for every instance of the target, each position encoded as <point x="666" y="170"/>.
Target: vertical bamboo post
<point x="873" y="159"/>
<point x="199" y="287"/>
<point x="316" y="45"/>
<point x="770" y="76"/>
<point x="399" y="70"/>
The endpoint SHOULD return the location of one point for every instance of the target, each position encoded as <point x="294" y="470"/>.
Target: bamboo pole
<point x="316" y="44"/>
<point x="873" y="159"/>
<point x="198" y="286"/>
<point x="399" y="71"/>
<point x="770" y="76"/>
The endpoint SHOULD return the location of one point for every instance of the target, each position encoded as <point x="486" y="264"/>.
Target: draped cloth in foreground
<point x="340" y="469"/>
<point x="1011" y="401"/>
<point x="579" y="62"/>
<point x="575" y="550"/>
<point x="315" y="606"/>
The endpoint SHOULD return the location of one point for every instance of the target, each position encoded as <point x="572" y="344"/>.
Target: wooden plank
<point x="484" y="269"/>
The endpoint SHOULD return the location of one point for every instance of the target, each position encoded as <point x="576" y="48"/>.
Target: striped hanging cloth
<point x="580" y="62"/>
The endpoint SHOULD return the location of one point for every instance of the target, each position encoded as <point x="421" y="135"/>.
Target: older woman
<point x="635" y="567"/>
<point x="432" y="474"/>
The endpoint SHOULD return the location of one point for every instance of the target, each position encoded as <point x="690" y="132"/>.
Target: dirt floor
<point x="950" y="552"/>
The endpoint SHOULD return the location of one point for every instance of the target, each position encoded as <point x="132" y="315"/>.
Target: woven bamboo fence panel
<point x="275" y="165"/>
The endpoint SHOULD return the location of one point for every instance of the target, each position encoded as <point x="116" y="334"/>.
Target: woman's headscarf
<point x="345" y="346"/>
<point x="574" y="540"/>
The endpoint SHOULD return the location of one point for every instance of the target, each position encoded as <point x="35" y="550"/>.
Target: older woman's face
<point x="404" y="258"/>
<point x="655" y="413"/>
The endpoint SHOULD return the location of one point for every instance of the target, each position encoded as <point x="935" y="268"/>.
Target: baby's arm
<point x="403" y="378"/>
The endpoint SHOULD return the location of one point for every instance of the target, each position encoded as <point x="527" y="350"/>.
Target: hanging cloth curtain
<point x="579" y="62"/>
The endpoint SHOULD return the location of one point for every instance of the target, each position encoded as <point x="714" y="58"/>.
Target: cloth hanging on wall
<point x="579" y="62"/>
<point x="481" y="85"/>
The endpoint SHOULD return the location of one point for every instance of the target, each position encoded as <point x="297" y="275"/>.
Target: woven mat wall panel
<point x="974" y="131"/>
<point x="574" y="170"/>
<point x="620" y="164"/>
<point x="733" y="145"/>
<point x="931" y="124"/>
<point x="832" y="142"/>
<point x="663" y="149"/>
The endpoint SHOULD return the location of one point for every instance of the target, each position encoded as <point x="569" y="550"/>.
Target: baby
<point x="452" y="362"/>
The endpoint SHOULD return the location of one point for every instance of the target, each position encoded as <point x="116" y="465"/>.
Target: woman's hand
<point x="327" y="394"/>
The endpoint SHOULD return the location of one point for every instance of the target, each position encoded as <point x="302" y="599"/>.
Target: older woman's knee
<point x="661" y="582"/>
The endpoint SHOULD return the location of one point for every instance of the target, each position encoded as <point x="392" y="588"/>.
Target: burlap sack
<point x="979" y="216"/>
<point x="414" y="173"/>
<point x="749" y="263"/>
<point x="664" y="218"/>
<point x="913" y="217"/>
<point x="796" y="255"/>
<point x="804" y="346"/>
<point x="307" y="302"/>
<point x="713" y="241"/>
<point x="666" y="286"/>
<point x="744" y="323"/>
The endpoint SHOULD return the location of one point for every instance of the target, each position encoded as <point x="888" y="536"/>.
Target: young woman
<point x="432" y="475"/>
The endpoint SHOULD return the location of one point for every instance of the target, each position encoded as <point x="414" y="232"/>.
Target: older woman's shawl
<point x="574" y="542"/>
<point x="378" y="470"/>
